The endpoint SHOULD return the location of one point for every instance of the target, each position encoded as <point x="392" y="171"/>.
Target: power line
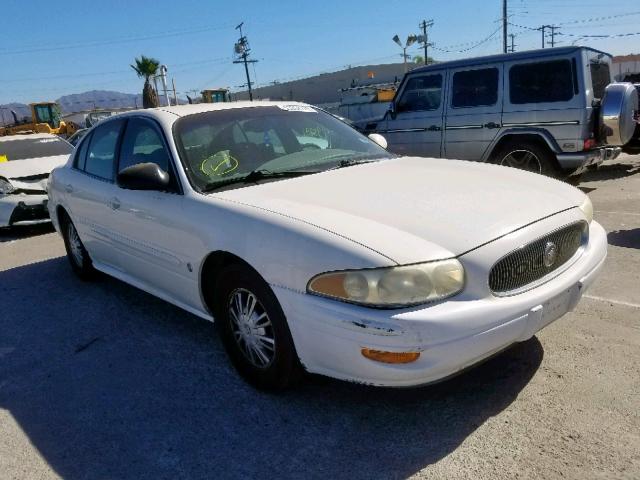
<point x="100" y="43"/>
<point x="481" y="42"/>
<point x="597" y="19"/>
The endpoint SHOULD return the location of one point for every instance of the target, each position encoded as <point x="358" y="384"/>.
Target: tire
<point x="529" y="156"/>
<point x="259" y="345"/>
<point x="77" y="255"/>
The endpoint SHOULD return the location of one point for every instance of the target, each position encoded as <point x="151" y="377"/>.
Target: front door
<point x="155" y="243"/>
<point x="474" y="111"/>
<point x="416" y="127"/>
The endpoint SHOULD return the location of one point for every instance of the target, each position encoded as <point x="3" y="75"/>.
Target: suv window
<point x="102" y="151"/>
<point x="475" y="88"/>
<point x="421" y="93"/>
<point x="142" y="144"/>
<point x="541" y="82"/>
<point x="600" y="78"/>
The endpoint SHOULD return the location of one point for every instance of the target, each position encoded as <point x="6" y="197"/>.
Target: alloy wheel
<point x="524" y="160"/>
<point x="251" y="327"/>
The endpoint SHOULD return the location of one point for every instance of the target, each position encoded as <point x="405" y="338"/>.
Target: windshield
<point x="25" y="147"/>
<point x="218" y="146"/>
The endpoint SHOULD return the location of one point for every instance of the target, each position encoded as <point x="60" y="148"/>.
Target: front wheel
<point x="254" y="330"/>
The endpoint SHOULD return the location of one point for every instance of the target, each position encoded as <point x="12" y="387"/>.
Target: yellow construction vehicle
<point x="216" y="95"/>
<point x="46" y="117"/>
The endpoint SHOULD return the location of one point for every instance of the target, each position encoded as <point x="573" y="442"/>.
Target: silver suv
<point x="543" y="110"/>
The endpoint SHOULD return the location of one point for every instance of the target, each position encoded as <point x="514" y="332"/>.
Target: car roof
<point x="506" y="57"/>
<point x="191" y="109"/>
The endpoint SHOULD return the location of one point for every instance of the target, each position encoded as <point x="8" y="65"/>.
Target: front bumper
<point x="451" y="335"/>
<point x="23" y="209"/>
<point x="578" y="162"/>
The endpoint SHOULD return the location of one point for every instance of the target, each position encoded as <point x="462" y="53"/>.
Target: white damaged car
<point x="315" y="249"/>
<point x="25" y="164"/>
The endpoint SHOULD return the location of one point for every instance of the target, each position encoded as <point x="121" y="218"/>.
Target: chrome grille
<point x="530" y="263"/>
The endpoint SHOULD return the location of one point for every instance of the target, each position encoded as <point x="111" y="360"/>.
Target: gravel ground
<point x="100" y="380"/>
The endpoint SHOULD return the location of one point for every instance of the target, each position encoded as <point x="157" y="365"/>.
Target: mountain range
<point x="77" y="102"/>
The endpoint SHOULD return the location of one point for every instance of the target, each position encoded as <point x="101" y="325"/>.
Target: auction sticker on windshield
<point x="297" y="108"/>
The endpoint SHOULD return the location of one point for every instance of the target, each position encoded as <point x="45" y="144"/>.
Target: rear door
<point x="90" y="187"/>
<point x="474" y="110"/>
<point x="416" y="128"/>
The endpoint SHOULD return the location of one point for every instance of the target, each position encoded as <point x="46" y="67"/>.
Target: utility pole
<point x="504" y="25"/>
<point x="242" y="50"/>
<point x="553" y="35"/>
<point x="512" y="48"/>
<point x="425" y="38"/>
<point x="163" y="77"/>
<point x="175" y="95"/>
<point x="542" y="28"/>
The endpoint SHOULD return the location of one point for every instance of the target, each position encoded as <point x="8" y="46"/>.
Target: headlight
<point x="5" y="187"/>
<point x="587" y="208"/>
<point x="392" y="286"/>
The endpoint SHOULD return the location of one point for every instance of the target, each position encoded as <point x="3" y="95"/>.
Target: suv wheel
<point x="529" y="156"/>
<point x="76" y="253"/>
<point x="254" y="330"/>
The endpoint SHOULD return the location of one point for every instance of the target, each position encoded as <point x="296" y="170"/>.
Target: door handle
<point x="434" y="128"/>
<point x="68" y="188"/>
<point x="491" y="125"/>
<point x="114" y="203"/>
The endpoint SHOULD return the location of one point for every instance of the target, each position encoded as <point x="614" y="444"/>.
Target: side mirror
<point x="392" y="110"/>
<point x="379" y="139"/>
<point x="143" y="176"/>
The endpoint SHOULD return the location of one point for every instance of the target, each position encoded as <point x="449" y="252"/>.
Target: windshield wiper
<point x="359" y="160"/>
<point x="255" y="176"/>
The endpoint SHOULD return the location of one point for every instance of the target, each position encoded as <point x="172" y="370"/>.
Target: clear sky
<point x="51" y="49"/>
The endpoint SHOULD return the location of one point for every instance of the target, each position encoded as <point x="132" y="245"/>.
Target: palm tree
<point x="147" y="67"/>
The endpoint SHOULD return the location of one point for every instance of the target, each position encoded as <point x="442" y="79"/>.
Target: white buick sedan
<point x="315" y="249"/>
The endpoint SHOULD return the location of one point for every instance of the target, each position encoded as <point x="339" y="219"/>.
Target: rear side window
<point x="541" y="82"/>
<point x="102" y="150"/>
<point x="81" y="156"/>
<point x="421" y="93"/>
<point x="475" y="88"/>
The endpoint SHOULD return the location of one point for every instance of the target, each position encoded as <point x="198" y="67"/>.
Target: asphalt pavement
<point x="102" y="381"/>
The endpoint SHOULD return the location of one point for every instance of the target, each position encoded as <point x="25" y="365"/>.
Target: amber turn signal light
<point x="390" y="357"/>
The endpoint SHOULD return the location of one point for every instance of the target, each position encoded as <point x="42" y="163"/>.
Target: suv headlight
<point x="5" y="187"/>
<point x="392" y="287"/>
<point x="587" y="208"/>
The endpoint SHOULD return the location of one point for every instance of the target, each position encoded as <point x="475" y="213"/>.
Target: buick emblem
<point x="550" y="254"/>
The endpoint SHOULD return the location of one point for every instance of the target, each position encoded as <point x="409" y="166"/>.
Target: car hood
<point x="415" y="209"/>
<point x="21" y="173"/>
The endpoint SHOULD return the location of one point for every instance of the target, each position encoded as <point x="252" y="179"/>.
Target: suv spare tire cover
<point x="619" y="104"/>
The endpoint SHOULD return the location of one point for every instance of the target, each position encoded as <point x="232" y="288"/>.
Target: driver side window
<point x="422" y="93"/>
<point x="142" y="144"/>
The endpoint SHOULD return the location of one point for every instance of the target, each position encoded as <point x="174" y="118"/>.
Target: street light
<point x="411" y="39"/>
